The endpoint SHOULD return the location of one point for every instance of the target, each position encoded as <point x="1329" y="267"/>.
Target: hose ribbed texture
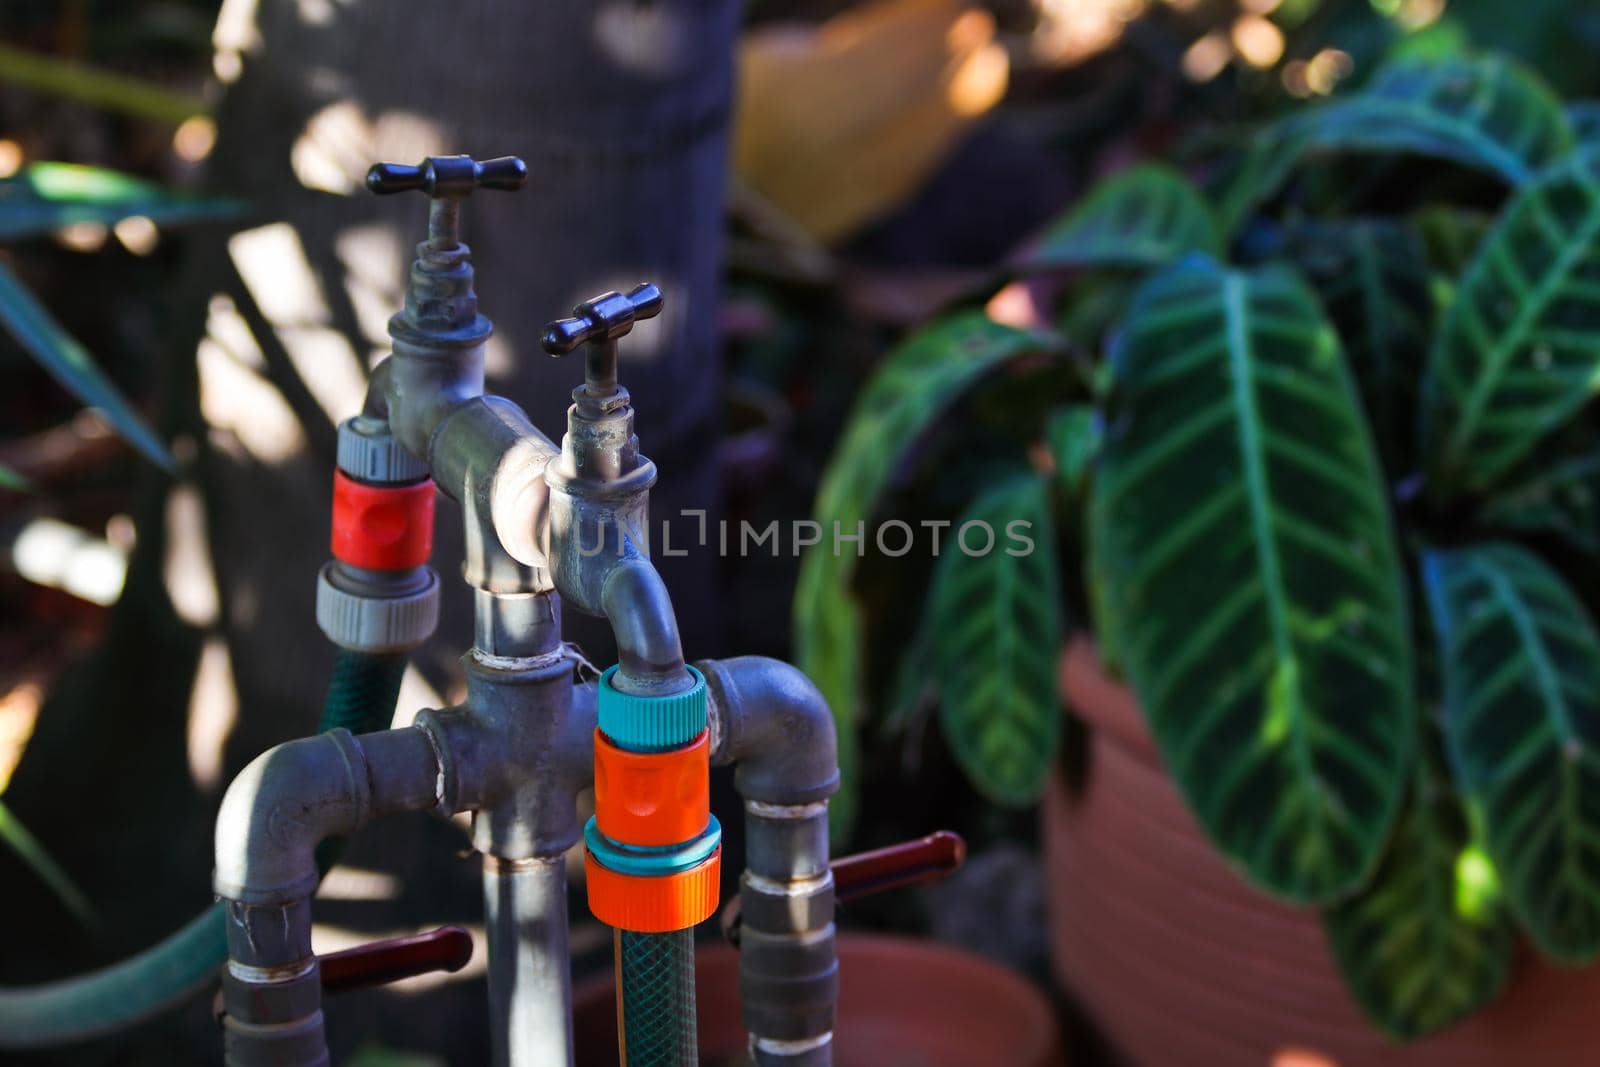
<point x="655" y="976"/>
<point x="361" y="698"/>
<point x="363" y="691"/>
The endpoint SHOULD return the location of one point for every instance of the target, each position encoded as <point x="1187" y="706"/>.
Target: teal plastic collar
<point x="652" y="724"/>
<point x="652" y="860"/>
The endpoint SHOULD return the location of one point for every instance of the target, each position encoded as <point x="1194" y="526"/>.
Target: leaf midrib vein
<point x="1240" y="357"/>
<point x="1555" y="703"/>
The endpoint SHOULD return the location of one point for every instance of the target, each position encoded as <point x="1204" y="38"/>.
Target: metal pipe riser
<point x="774" y="726"/>
<point x="530" y="977"/>
<point x="300" y="793"/>
<point x="788" y="962"/>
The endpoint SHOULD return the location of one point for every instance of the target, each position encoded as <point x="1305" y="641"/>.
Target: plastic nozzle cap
<point x="652" y="723"/>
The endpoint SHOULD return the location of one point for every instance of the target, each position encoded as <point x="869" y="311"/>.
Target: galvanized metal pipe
<point x="530" y="974"/>
<point x="274" y="815"/>
<point x="770" y="721"/>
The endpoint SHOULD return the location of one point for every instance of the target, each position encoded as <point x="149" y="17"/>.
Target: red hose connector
<point x="382" y="527"/>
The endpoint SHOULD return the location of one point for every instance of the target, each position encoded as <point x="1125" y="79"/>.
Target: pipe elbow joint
<point x="279" y="808"/>
<point x="776" y="726"/>
<point x="486" y="454"/>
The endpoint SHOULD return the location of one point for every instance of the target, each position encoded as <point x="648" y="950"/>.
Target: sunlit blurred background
<point x="182" y="207"/>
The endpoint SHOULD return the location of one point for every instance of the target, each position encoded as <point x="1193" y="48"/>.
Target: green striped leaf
<point x="1249" y="578"/>
<point x="1428" y="940"/>
<point x="1562" y="498"/>
<point x="1146" y="216"/>
<point x="1073" y="434"/>
<point x="997" y="633"/>
<point x="1451" y="235"/>
<point x="827" y="640"/>
<point x="25" y="319"/>
<point x="915" y="384"/>
<point x="1584" y="118"/>
<point x="1486" y="112"/>
<point x="1518" y="351"/>
<point x="1091" y="304"/>
<point x="1521" y="663"/>
<point x="1372" y="277"/>
<point x="44" y="197"/>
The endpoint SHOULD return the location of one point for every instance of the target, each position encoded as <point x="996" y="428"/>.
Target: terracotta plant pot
<point x="903" y="1003"/>
<point x="1180" y="961"/>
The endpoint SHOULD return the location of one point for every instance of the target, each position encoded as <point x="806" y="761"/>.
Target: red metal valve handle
<point x="908" y="863"/>
<point x="446" y="949"/>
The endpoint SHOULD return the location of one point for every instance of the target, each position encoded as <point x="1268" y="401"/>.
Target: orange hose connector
<point x="654" y="904"/>
<point x="652" y="798"/>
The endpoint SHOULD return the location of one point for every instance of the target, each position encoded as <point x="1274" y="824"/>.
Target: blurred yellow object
<point x="841" y="122"/>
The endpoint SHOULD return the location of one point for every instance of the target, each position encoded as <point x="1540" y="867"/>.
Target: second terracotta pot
<point x="1180" y="962"/>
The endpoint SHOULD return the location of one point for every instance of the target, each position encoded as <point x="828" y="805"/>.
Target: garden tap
<point x="438" y="336"/>
<point x="599" y="500"/>
<point x="598" y="323"/>
<point x="543" y="525"/>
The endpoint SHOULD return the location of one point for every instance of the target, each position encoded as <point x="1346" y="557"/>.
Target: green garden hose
<point x="361" y="698"/>
<point x="655" y="976"/>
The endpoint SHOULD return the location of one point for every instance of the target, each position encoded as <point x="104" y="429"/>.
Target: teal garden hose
<point x="361" y="698"/>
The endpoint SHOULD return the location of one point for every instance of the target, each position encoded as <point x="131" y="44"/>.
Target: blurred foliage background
<point x="886" y="157"/>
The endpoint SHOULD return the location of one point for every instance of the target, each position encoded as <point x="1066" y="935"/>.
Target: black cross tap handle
<point x="451" y="177"/>
<point x="604" y="318"/>
<point x="598" y="323"/>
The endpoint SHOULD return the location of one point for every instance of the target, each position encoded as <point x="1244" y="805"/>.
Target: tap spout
<point x="649" y="651"/>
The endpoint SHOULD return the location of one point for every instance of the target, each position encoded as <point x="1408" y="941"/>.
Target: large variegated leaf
<point x="1584" y="118"/>
<point x="1521" y="664"/>
<point x="1485" y="112"/>
<point x="915" y="384"/>
<point x="1372" y="276"/>
<point x="1562" y="498"/>
<point x="1518" y="351"/>
<point x="1249" y="575"/>
<point x="25" y="319"/>
<point x="1146" y="216"/>
<point x="996" y="626"/>
<point x="1451" y="235"/>
<point x="1427" y="941"/>
<point x="1073" y="434"/>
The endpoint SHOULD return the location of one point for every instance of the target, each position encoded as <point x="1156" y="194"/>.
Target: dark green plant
<point x="38" y="200"/>
<point x="45" y="197"/>
<point x="1325" y="505"/>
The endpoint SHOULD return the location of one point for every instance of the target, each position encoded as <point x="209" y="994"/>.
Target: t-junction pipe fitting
<point x="543" y="525"/>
